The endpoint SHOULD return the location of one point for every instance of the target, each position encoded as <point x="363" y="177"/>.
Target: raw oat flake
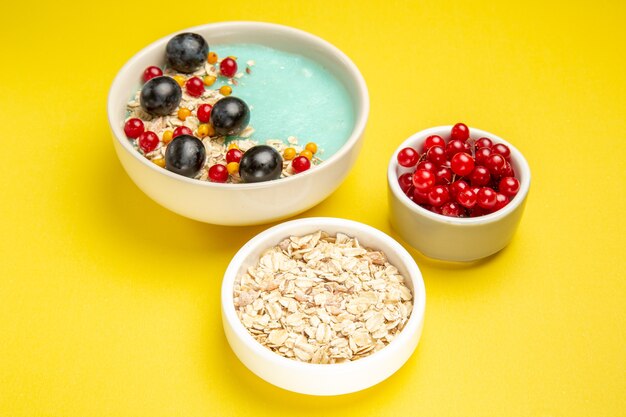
<point x="323" y="299"/>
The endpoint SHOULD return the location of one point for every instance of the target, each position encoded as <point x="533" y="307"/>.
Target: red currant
<point x="228" y="67"/>
<point x="427" y="165"/>
<point x="480" y="175"/>
<point x="495" y="164"/>
<point x="406" y="182"/>
<point x="408" y="157"/>
<point x="452" y="209"/>
<point x="502" y="149"/>
<point x="443" y="176"/>
<point x="433" y="140"/>
<point x="482" y="154"/>
<point x="466" y="198"/>
<point x="478" y="211"/>
<point x="483" y="143"/>
<point x="438" y="195"/>
<point x="148" y="141"/>
<point x="486" y="198"/>
<point x="204" y="113"/>
<point x="300" y="163"/>
<point x="151" y="72"/>
<point x="456" y="146"/>
<point x="457" y="186"/>
<point x="133" y="128"/>
<point x="436" y="155"/>
<point x="218" y="173"/>
<point x="181" y="130"/>
<point x="508" y="186"/>
<point x="419" y="197"/>
<point x="462" y="164"/>
<point x="233" y="155"/>
<point x="434" y="209"/>
<point x="460" y="132"/>
<point x="501" y="201"/>
<point x="194" y="86"/>
<point x="508" y="170"/>
<point x="423" y="180"/>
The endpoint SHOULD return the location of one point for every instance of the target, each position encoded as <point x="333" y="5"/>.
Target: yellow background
<point x="109" y="304"/>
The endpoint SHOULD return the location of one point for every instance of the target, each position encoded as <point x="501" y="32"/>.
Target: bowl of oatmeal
<point x="323" y="306"/>
<point x="238" y="123"/>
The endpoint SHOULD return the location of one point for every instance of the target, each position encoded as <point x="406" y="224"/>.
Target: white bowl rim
<point x="411" y="326"/>
<point x="361" y="110"/>
<point x="516" y="155"/>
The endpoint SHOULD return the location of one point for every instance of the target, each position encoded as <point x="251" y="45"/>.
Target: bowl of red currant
<point x="455" y="193"/>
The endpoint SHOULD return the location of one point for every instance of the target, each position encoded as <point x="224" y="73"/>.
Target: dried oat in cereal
<point x="323" y="299"/>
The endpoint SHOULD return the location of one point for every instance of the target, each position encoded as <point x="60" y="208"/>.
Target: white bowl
<point x="449" y="238"/>
<point x="241" y="204"/>
<point x="318" y="379"/>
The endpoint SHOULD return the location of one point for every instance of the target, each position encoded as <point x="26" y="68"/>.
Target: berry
<point x="480" y="176"/>
<point x="466" y="198"/>
<point x="300" y="164"/>
<point x="151" y="72"/>
<point x="420" y="197"/>
<point x="230" y="116"/>
<point x="181" y="130"/>
<point x="232" y="168"/>
<point x="194" y="86"/>
<point x="186" y="52"/>
<point x="185" y="155"/>
<point x="508" y="170"/>
<point x="307" y="154"/>
<point x="460" y="132"/>
<point x="233" y="155"/>
<point x="218" y="173"/>
<point x="168" y="135"/>
<point x="423" y="180"/>
<point x="212" y="58"/>
<point x="508" y="186"/>
<point x="408" y="157"/>
<point x="438" y="195"/>
<point x="443" y="176"/>
<point x="433" y="140"/>
<point x="495" y="164"/>
<point x="482" y="154"/>
<point x="148" y="141"/>
<point x="486" y="198"/>
<point x="226" y="90"/>
<point x="434" y="209"/>
<point x="427" y="165"/>
<point x="209" y="80"/>
<point x="436" y="155"/>
<point x="311" y="147"/>
<point x="183" y="113"/>
<point x="204" y="113"/>
<point x="502" y="149"/>
<point x="456" y="146"/>
<point x="406" y="182"/>
<point x="484" y="143"/>
<point x="457" y="186"/>
<point x="160" y="96"/>
<point x="452" y="209"/>
<point x="289" y="154"/>
<point x="180" y="80"/>
<point x="228" y="67"/>
<point x="501" y="201"/>
<point x="133" y="128"/>
<point x="462" y="164"/>
<point x="259" y="163"/>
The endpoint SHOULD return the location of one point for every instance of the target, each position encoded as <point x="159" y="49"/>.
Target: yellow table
<point x="109" y="304"/>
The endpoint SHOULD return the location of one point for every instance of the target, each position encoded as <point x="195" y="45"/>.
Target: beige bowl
<point x="318" y="379"/>
<point x="449" y="238"/>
